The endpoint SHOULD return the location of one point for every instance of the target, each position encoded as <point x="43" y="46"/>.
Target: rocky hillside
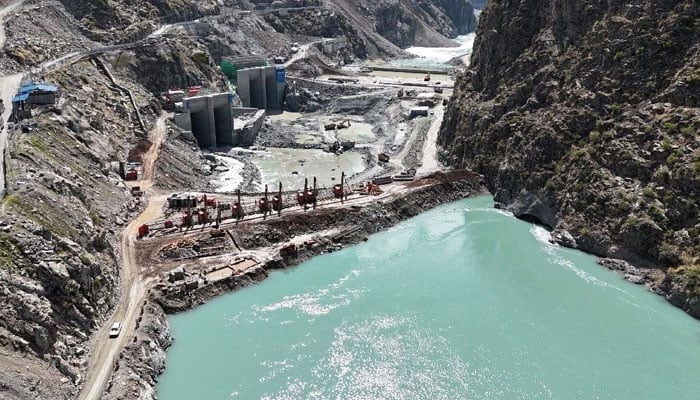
<point x="66" y="206"/>
<point x="382" y="28"/>
<point x="119" y="20"/>
<point x="584" y="116"/>
<point x="373" y="29"/>
<point x="409" y="23"/>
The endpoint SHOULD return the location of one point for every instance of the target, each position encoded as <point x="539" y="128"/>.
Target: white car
<point x="115" y="330"/>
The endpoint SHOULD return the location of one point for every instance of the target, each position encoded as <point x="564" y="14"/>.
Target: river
<point x="462" y="302"/>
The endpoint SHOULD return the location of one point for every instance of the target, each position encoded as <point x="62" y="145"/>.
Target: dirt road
<point x="133" y="288"/>
<point x="430" y="161"/>
<point x="8" y="87"/>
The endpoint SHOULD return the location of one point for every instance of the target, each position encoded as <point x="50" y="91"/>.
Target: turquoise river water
<point x="462" y="302"/>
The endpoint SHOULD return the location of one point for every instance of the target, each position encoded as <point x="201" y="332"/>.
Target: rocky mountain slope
<point x="65" y="206"/>
<point x="584" y="116"/>
<point x="376" y="28"/>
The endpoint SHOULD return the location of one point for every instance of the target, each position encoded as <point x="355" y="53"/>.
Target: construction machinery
<point x="338" y="191"/>
<point x="344" y="124"/>
<point x="131" y="175"/>
<point x="373" y="189"/>
<point x="383" y="157"/>
<point x="143" y="231"/>
<point x="264" y="205"/>
<point x="136" y="191"/>
<point x="307" y="196"/>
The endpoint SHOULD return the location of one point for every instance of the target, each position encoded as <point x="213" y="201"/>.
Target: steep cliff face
<point x="407" y="23"/>
<point x="420" y="23"/>
<point x="584" y="116"/>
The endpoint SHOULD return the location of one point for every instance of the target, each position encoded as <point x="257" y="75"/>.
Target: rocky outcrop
<point x="415" y="23"/>
<point x="583" y="116"/>
<point x="178" y="62"/>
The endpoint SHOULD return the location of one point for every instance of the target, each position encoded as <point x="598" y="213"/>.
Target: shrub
<point x="649" y="193"/>
<point x="670" y="126"/>
<point x="688" y="132"/>
<point x="672" y="160"/>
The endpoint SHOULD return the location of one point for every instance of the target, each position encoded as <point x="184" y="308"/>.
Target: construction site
<point x="151" y="169"/>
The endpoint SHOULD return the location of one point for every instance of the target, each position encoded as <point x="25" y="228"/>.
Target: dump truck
<point x="383" y="157"/>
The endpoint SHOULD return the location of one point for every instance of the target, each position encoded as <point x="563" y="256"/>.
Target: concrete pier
<point x="209" y="118"/>
<point x="262" y="87"/>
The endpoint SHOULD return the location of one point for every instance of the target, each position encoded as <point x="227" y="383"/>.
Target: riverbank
<point x="143" y="361"/>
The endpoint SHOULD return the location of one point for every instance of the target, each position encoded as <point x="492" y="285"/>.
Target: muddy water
<point x="358" y="132"/>
<point x="278" y="165"/>
<point x="410" y="77"/>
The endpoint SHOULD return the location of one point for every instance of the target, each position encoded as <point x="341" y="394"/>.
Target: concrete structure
<point x="231" y="65"/>
<point x="248" y="122"/>
<point x="209" y="118"/>
<point x="330" y="47"/>
<point x="262" y="87"/>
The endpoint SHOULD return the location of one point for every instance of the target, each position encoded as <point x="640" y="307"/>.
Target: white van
<point x="116" y="329"/>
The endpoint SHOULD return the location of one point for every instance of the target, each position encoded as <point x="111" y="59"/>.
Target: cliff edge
<point x="583" y="116"/>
